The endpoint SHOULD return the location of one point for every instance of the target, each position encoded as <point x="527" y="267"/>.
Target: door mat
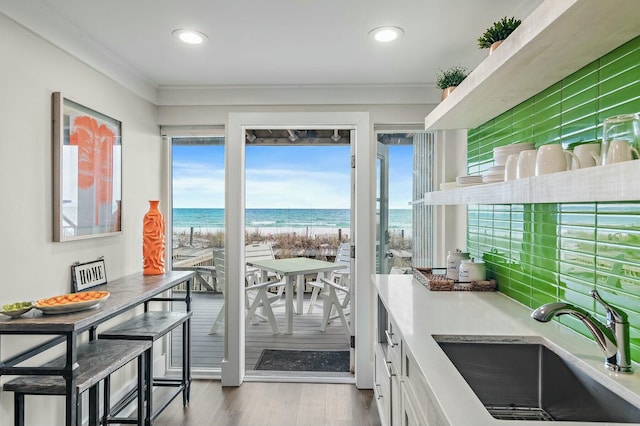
<point x="287" y="360"/>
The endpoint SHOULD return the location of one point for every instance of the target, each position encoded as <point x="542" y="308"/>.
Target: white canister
<point x="471" y="271"/>
<point x="453" y="263"/>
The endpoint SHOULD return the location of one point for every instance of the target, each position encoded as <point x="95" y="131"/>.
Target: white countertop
<point x="420" y="313"/>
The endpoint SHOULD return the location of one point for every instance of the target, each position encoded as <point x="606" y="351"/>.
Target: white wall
<point x="451" y="146"/>
<point x="32" y="265"/>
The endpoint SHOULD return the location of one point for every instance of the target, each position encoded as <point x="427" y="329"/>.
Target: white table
<point x="290" y="268"/>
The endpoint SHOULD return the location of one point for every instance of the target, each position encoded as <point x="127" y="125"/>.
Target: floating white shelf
<point x="613" y="182"/>
<point x="557" y="39"/>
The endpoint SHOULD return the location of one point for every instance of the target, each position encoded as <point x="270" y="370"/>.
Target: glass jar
<point x="470" y="270"/>
<point x="620" y="138"/>
<point x="453" y="263"/>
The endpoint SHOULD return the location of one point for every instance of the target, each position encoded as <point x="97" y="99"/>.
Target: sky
<point x="287" y="176"/>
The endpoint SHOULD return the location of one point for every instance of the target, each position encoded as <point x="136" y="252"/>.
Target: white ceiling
<point x="275" y="42"/>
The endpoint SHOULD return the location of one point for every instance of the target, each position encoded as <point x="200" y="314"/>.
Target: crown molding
<point x="382" y="94"/>
<point x="40" y="20"/>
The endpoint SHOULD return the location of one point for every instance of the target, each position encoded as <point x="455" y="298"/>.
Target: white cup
<point x="526" y="165"/>
<point x="552" y="158"/>
<point x="619" y="151"/>
<point x="511" y="167"/>
<point x="588" y="154"/>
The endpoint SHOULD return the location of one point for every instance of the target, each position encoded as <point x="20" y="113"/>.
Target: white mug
<point x="552" y="158"/>
<point x="511" y="167"/>
<point x="588" y="154"/>
<point x="526" y="165"/>
<point x="619" y="151"/>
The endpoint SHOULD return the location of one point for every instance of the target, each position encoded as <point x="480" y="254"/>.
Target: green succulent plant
<point x="451" y="77"/>
<point x="498" y="31"/>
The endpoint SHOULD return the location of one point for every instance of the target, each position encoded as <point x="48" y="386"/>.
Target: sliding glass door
<point x="196" y="236"/>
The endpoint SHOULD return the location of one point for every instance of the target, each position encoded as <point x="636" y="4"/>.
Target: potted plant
<point x="498" y="32"/>
<point x="447" y="80"/>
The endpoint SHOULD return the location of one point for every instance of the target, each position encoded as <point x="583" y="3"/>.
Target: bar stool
<point x="149" y="327"/>
<point x="97" y="360"/>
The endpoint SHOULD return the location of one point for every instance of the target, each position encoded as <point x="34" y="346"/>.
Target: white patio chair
<point x="339" y="276"/>
<point x="218" y="263"/>
<point x="260" y="297"/>
<point x="336" y="298"/>
<point x="258" y="251"/>
<point x="257" y="296"/>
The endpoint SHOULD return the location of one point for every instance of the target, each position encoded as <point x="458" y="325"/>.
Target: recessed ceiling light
<point x="386" y="34"/>
<point x="190" y="36"/>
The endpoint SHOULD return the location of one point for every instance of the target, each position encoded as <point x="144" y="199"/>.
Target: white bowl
<point x="513" y="148"/>
<point x="493" y="178"/>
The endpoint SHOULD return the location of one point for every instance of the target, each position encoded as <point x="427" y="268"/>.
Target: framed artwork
<point x="87" y="172"/>
<point x="87" y="275"/>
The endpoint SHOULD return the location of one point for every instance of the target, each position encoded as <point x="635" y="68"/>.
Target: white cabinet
<point x="401" y="391"/>
<point x="388" y="368"/>
<point x="394" y="365"/>
<point x="418" y="402"/>
<point x="410" y="415"/>
<point x="382" y="386"/>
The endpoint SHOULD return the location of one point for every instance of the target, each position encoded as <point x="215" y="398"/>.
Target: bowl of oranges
<point x="72" y="302"/>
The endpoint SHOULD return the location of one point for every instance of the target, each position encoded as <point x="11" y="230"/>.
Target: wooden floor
<point x="207" y="350"/>
<point x="280" y="404"/>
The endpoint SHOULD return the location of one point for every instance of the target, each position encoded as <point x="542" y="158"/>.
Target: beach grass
<point x="289" y="244"/>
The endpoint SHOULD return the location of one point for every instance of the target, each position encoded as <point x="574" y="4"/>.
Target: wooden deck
<point x="207" y="350"/>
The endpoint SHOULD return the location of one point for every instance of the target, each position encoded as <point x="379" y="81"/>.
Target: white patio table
<point x="290" y="268"/>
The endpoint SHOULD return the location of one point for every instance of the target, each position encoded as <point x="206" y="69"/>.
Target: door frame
<point x="233" y="364"/>
<point x="382" y="204"/>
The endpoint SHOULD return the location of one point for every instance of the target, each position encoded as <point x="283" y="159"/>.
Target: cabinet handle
<point x="379" y="395"/>
<point x="389" y="339"/>
<point x="389" y="370"/>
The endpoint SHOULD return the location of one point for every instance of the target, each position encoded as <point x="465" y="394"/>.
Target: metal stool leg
<point x="148" y="378"/>
<point x="149" y="374"/>
<point x="79" y="409"/>
<point x="106" y="400"/>
<point x="185" y="364"/>
<point x="18" y="409"/>
<point x="94" y="406"/>
<point x="141" y="389"/>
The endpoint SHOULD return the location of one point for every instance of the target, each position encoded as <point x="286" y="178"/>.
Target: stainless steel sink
<point x="524" y="380"/>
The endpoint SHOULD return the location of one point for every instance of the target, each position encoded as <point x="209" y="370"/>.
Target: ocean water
<point x="283" y="220"/>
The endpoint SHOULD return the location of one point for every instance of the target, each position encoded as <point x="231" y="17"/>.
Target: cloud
<point x="280" y="177"/>
<point x="278" y="188"/>
<point x="197" y="185"/>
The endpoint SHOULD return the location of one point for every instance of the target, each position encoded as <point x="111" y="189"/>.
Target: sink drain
<point x="519" y="413"/>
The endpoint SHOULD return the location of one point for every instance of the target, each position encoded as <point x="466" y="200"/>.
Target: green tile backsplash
<point x="541" y="253"/>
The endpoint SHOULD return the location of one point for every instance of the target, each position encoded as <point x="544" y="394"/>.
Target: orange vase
<point x="153" y="240"/>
